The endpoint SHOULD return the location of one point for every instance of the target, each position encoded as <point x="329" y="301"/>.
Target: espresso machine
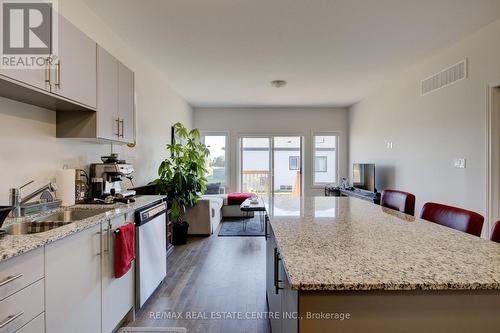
<point x="111" y="173"/>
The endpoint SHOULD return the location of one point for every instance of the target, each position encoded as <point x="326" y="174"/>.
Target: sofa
<point x="206" y="215"/>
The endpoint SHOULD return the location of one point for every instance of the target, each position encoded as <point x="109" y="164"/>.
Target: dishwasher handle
<point x="145" y="215"/>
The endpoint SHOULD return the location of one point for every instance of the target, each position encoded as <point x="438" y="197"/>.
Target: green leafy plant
<point x="182" y="175"/>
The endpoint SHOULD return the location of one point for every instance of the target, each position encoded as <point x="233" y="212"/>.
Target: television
<point x="363" y="177"/>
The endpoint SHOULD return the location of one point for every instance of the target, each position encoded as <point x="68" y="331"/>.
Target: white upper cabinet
<point x="74" y="71"/>
<point x="107" y="95"/>
<point x="82" y="78"/>
<point x="38" y="78"/>
<point x="115" y="99"/>
<point x="126" y="103"/>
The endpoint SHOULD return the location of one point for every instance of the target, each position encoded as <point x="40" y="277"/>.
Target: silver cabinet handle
<point x="10" y="279"/>
<point x="108" y="237"/>
<point x="122" y="122"/>
<point x="117" y="120"/>
<point x="58" y="74"/>
<point x="10" y="319"/>
<point x="276" y="272"/>
<point x="99" y="253"/>
<point x="47" y="70"/>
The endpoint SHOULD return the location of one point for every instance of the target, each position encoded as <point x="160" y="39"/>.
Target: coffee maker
<point x="112" y="171"/>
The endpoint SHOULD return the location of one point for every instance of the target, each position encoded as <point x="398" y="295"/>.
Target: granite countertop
<point x="339" y="243"/>
<point x="14" y="245"/>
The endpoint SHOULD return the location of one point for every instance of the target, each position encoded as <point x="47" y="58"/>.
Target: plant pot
<point x="179" y="233"/>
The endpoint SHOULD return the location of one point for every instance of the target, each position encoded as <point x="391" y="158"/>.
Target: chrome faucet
<point x="15" y="196"/>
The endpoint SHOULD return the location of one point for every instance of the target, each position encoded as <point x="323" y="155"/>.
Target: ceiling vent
<point x="450" y="75"/>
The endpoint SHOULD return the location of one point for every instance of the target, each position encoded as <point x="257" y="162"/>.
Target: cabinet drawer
<point x="18" y="272"/>
<point x="37" y="325"/>
<point x="18" y="309"/>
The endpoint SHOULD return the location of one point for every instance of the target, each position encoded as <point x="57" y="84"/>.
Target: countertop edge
<point x="36" y="241"/>
<point x="403" y="287"/>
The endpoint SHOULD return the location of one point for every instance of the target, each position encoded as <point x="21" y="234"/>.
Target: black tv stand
<point x="353" y="192"/>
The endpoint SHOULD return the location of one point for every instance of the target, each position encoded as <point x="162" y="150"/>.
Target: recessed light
<point x="279" y="83"/>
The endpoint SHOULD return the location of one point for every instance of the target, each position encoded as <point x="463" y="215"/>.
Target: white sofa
<point x="205" y="216"/>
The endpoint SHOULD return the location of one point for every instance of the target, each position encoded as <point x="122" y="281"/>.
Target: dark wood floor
<point x="211" y="274"/>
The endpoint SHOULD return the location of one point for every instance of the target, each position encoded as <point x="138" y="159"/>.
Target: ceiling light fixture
<point x="279" y="83"/>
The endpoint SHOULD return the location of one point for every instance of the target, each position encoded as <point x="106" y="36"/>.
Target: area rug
<point x="234" y="227"/>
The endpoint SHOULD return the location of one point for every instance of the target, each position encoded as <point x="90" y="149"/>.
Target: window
<point x="286" y="188"/>
<point x="325" y="158"/>
<point x="217" y="159"/>
<point x="293" y="162"/>
<point x="321" y="164"/>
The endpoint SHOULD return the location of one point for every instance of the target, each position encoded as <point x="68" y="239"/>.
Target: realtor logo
<point x="27" y="36"/>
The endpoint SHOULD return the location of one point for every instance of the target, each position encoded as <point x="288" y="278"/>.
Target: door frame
<point x="239" y="165"/>
<point x="227" y="163"/>
<point x="492" y="164"/>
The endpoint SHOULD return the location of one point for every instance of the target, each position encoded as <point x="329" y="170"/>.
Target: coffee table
<point x="248" y="207"/>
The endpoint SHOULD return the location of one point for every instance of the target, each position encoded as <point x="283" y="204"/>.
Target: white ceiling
<point x="332" y="52"/>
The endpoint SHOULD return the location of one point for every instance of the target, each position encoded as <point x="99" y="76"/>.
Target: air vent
<point x="453" y="74"/>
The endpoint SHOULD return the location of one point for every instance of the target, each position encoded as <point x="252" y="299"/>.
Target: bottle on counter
<point x="81" y="187"/>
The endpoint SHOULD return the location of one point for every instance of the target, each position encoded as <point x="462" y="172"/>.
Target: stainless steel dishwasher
<point x="151" y="250"/>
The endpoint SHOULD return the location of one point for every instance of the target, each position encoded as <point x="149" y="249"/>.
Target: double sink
<point x="52" y="221"/>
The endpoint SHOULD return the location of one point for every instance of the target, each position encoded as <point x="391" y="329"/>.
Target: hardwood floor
<point x="211" y="274"/>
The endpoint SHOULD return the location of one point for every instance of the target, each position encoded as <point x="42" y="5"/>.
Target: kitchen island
<point x="339" y="264"/>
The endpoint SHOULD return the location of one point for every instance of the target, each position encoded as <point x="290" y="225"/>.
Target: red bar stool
<point x="453" y="217"/>
<point x="495" y="233"/>
<point x="403" y="202"/>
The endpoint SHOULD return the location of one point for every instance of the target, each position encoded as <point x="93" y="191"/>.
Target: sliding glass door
<point x="255" y="165"/>
<point x="271" y="166"/>
<point x="287" y="170"/>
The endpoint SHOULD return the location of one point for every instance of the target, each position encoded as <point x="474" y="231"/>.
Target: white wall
<point x="428" y="132"/>
<point x="276" y="121"/>
<point x="30" y="150"/>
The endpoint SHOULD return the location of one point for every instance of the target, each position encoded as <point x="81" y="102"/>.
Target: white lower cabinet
<point x="117" y="294"/>
<point x="73" y="283"/>
<point x="82" y="293"/>
<point x="20" y="308"/>
<point x="37" y="325"/>
<point x="78" y="292"/>
<point x="19" y="272"/>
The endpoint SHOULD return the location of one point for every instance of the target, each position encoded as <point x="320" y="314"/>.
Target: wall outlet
<point x="460" y="163"/>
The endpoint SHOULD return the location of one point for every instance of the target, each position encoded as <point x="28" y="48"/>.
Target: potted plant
<point x="182" y="177"/>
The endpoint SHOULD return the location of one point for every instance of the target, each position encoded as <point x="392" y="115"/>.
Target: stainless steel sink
<point x="71" y="215"/>
<point x="49" y="222"/>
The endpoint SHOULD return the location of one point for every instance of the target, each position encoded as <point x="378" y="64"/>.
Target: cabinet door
<point x="37" y="78"/>
<point x="273" y="299"/>
<point x="73" y="283"/>
<point x="75" y="72"/>
<point x="117" y="294"/>
<point x="107" y="95"/>
<point x="37" y="325"/>
<point x="126" y="103"/>
<point x="289" y="304"/>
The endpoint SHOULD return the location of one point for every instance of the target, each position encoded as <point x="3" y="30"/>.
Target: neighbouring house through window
<point x="293" y="162"/>
<point x="321" y="164"/>
<point x="325" y="157"/>
<point x="217" y="160"/>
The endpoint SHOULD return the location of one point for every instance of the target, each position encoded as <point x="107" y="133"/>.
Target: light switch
<point x="389" y="145"/>
<point x="460" y="163"/>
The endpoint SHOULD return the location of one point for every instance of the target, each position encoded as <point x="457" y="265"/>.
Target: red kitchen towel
<point x="124" y="249"/>
<point x="236" y="198"/>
